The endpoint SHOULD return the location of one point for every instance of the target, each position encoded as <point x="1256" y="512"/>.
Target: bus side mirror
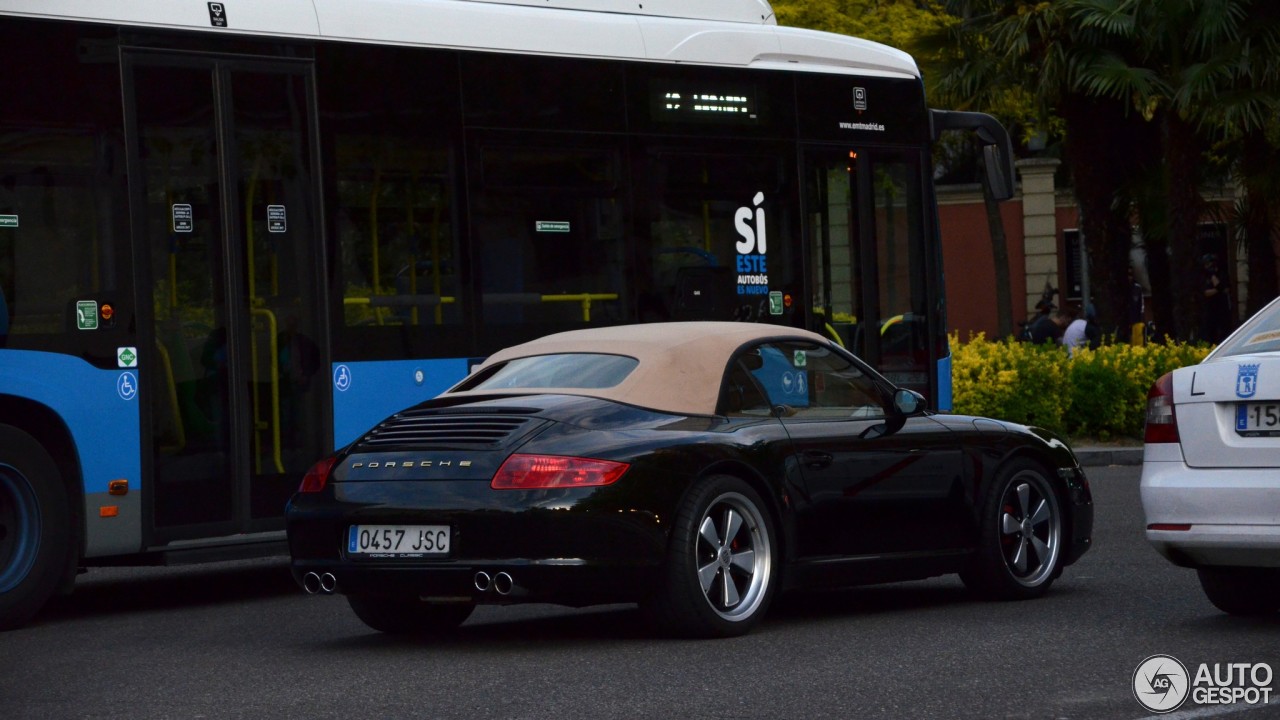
<point x="997" y="147"/>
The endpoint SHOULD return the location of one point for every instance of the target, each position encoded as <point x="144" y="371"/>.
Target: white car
<point x="1211" y="468"/>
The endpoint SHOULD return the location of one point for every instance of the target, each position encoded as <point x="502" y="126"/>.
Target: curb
<point x="1101" y="457"/>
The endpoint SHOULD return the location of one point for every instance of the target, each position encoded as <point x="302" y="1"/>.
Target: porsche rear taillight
<point x="318" y="476"/>
<point x="538" y="472"/>
<point x="1162" y="420"/>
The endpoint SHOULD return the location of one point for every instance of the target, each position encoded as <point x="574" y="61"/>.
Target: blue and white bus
<point x="234" y="235"/>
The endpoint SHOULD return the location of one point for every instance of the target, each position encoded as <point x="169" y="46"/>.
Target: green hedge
<point x="1097" y="394"/>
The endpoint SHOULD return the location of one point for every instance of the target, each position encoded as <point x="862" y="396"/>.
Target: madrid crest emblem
<point x="1247" y="381"/>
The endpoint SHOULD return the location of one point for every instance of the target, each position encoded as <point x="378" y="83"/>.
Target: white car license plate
<point x="398" y="540"/>
<point x="1258" y="419"/>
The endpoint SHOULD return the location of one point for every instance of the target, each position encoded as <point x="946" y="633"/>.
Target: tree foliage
<point x="899" y="24"/>
<point x="1148" y="98"/>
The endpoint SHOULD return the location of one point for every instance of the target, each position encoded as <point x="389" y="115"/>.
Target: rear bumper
<point x="1233" y="513"/>
<point x="1219" y="545"/>
<point x="566" y="582"/>
<point x="574" y="547"/>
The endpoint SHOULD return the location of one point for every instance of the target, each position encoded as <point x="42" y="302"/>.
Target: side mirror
<point x="908" y="402"/>
<point x="997" y="147"/>
<point x="905" y="404"/>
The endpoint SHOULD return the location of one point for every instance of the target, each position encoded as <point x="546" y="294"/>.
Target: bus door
<point x="224" y="193"/>
<point x="547" y="222"/>
<point x="873" y="284"/>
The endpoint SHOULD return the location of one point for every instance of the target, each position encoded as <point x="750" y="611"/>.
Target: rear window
<point x="1260" y="334"/>
<point x="566" y="370"/>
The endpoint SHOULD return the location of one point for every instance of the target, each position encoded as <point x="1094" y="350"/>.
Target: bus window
<point x="547" y="224"/>
<point x="542" y="93"/>
<point x="62" y="243"/>
<point x="391" y="201"/>
<point x="831" y="180"/>
<point x="718" y="238"/>
<point x="903" y="307"/>
<point x="871" y="283"/>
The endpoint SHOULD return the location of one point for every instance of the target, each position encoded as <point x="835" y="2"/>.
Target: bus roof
<point x="744" y="11"/>
<point x="737" y="33"/>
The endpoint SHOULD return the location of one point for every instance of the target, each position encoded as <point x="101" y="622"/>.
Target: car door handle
<point x="816" y="459"/>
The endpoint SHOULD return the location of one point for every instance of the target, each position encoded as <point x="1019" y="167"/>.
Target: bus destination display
<point x="690" y="103"/>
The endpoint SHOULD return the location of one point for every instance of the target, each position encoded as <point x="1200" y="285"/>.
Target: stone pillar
<point x="1039" y="225"/>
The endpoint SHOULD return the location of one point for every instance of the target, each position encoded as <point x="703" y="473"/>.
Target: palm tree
<point x="1257" y="211"/>
<point x="1032" y="52"/>
<point x="1235" y="98"/>
<point x="1143" y="88"/>
<point x="1202" y="70"/>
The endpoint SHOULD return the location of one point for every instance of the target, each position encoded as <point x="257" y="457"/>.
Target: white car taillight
<point x="1162" y="419"/>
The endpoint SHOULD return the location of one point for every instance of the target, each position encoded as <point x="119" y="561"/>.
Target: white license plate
<point x="1258" y="419"/>
<point x="399" y="541"/>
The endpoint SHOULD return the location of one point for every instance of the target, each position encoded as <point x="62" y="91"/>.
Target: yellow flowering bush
<point x="1099" y="393"/>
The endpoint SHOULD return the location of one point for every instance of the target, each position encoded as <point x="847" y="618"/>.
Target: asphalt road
<point x="240" y="641"/>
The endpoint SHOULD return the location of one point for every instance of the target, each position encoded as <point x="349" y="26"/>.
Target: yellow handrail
<point x="422" y="299"/>
<point x="831" y="332"/>
<point x="274" y="354"/>
<point x="584" y="298"/>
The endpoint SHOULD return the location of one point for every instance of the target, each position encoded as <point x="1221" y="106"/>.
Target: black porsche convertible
<point x="694" y="468"/>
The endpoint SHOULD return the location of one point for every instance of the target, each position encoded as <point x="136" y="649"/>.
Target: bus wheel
<point x="34" y="527"/>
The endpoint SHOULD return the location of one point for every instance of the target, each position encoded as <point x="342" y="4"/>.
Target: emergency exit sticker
<point x="551" y="226"/>
<point x="8" y="221"/>
<point x="87" y="314"/>
<point x="182" y="219"/>
<point x="276" y="220"/>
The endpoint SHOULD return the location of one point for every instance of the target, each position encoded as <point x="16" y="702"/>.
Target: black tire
<point x="717" y="582"/>
<point x="1021" y="534"/>
<point x="397" y="615"/>
<point x="1242" y="590"/>
<point x="35" y="527"/>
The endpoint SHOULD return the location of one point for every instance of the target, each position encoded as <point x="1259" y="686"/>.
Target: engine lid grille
<point x="421" y="430"/>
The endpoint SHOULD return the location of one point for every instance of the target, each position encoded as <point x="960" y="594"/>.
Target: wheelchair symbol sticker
<point x="342" y="378"/>
<point x="127" y="386"/>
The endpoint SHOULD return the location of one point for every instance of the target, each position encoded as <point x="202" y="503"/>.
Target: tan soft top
<point x="680" y="368"/>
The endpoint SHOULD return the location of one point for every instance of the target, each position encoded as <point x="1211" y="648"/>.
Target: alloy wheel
<point x="733" y="556"/>
<point x="1030" y="529"/>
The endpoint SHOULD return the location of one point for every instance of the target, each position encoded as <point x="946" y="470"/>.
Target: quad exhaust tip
<point x="501" y="583"/>
<point x="315" y="583"/>
<point x="327" y="583"/>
